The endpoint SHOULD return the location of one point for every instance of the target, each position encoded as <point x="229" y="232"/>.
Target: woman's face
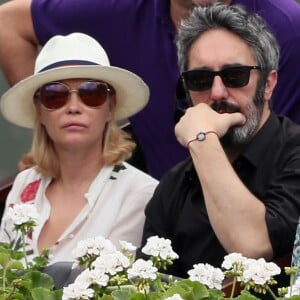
<point x="79" y="114"/>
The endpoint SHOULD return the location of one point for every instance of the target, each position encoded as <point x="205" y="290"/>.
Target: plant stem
<point x="146" y="295"/>
<point x="24" y="248"/>
<point x="4" y="278"/>
<point x="271" y="292"/>
<point x="292" y="279"/>
<point x="233" y="287"/>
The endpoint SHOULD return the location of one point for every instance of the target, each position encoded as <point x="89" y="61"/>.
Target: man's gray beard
<point x="240" y="135"/>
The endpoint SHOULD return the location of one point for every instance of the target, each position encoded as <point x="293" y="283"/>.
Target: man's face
<point x="216" y="50"/>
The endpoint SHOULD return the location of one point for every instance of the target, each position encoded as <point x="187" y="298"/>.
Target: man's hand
<point x="236" y="215"/>
<point x="203" y="118"/>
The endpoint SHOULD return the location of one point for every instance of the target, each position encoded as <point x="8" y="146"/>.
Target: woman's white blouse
<point x="115" y="209"/>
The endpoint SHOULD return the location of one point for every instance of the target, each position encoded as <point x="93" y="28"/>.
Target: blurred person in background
<point x="139" y="36"/>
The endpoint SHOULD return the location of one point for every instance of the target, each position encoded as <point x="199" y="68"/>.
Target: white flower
<point x="208" y="275"/>
<point x="175" y="297"/>
<point x="93" y="247"/>
<point x="22" y="213"/>
<point x="156" y="246"/>
<point x="127" y="246"/>
<point x="294" y="290"/>
<point x="260" y="271"/>
<point x="79" y="290"/>
<point x="107" y="265"/>
<point x="143" y="269"/>
<point x="233" y="259"/>
<point x="89" y="277"/>
<point x="111" y="263"/>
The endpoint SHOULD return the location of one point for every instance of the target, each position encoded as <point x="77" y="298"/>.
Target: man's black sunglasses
<point x="232" y="77"/>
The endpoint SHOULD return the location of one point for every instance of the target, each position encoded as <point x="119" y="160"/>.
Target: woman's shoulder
<point x="29" y="176"/>
<point x="25" y="186"/>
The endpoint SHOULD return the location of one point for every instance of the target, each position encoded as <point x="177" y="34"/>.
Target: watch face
<point x="201" y="136"/>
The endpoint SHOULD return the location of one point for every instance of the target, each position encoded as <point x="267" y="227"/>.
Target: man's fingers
<point x="236" y="118"/>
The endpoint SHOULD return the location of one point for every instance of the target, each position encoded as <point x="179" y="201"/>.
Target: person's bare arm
<point x="18" y="43"/>
<point x="236" y="215"/>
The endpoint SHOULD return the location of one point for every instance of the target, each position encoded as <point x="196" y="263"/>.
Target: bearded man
<point x="239" y="191"/>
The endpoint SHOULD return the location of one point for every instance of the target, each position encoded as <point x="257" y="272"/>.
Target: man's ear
<point x="270" y="84"/>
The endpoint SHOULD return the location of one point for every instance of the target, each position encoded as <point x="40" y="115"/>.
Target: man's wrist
<point x="201" y="136"/>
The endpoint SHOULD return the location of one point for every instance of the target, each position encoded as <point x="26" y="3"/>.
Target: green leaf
<point x="39" y="279"/>
<point x="154" y="296"/>
<point x="18" y="255"/>
<point x="106" y="297"/>
<point x="193" y="290"/>
<point x="245" y="295"/>
<point x="45" y="294"/>
<point x="4" y="246"/>
<point x="138" y="296"/>
<point x="123" y="293"/>
<point x="40" y="262"/>
<point x="15" y="265"/>
<point x="15" y="296"/>
<point x="4" y="258"/>
<point x="183" y="292"/>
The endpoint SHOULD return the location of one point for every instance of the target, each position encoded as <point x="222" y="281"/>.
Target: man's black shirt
<point x="269" y="167"/>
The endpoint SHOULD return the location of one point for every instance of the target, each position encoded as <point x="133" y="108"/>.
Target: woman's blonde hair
<point x="117" y="147"/>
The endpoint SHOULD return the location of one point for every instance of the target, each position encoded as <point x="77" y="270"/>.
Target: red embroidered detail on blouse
<point x="29" y="191"/>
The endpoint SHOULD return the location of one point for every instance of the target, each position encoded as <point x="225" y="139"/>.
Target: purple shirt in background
<point x="139" y="35"/>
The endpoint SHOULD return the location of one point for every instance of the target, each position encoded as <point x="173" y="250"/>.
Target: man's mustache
<point x="225" y="107"/>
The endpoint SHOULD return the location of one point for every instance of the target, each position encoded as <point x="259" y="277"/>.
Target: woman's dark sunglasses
<point x="55" y="95"/>
<point x="232" y="77"/>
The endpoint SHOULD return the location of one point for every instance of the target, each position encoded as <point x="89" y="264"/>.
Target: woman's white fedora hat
<point x="76" y="55"/>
